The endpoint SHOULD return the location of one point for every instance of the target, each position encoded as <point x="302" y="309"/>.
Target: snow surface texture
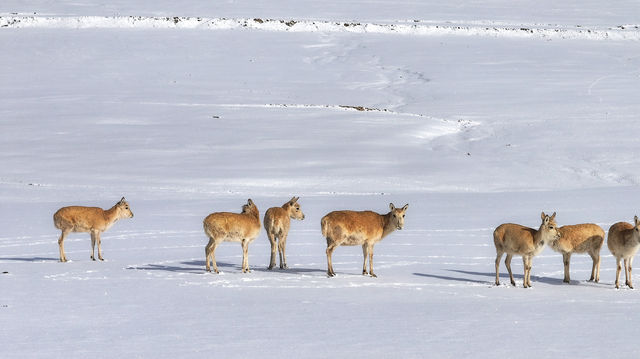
<point x="474" y="113"/>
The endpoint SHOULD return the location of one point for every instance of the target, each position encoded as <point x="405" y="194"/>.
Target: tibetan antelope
<point x="514" y="239"/>
<point x="366" y="228"/>
<point x="231" y="227"/>
<point x="91" y="220"/>
<point x="580" y="238"/>
<point x="276" y="223"/>
<point x="623" y="242"/>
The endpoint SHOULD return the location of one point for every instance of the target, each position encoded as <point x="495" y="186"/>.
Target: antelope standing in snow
<point x="277" y="223"/>
<point x="366" y="228"/>
<point x="231" y="227"/>
<point x="580" y="238"/>
<point x="623" y="242"/>
<point x="91" y="220"/>
<point x="514" y="239"/>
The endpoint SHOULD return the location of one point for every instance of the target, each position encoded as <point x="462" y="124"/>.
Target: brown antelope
<point x="91" y="220"/>
<point x="231" y="227"/>
<point x="366" y="228"/>
<point x="623" y="242"/>
<point x="277" y="223"/>
<point x="580" y="238"/>
<point x="514" y="239"/>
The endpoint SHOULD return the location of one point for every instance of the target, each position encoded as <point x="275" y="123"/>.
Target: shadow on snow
<point x="33" y="259"/>
<point x="197" y="267"/>
<point x="504" y="277"/>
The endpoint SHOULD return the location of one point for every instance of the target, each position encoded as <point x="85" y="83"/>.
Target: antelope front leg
<point x="526" y="260"/>
<point x="371" y="263"/>
<point x="630" y="263"/>
<point x="566" y="259"/>
<point x="282" y="244"/>
<point x="626" y="271"/>
<point x="245" y="256"/>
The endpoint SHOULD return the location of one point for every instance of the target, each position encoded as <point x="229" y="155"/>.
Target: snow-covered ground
<point x="474" y="113"/>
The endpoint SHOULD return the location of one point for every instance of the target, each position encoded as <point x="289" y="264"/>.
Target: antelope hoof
<point x="373" y="275"/>
<point x="513" y="283"/>
<point x="497" y="283"/>
<point x="568" y="281"/>
<point x="270" y="267"/>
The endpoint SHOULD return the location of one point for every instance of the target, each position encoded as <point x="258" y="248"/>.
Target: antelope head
<point x="123" y="209"/>
<point x="294" y="209"/>
<point x="397" y="215"/>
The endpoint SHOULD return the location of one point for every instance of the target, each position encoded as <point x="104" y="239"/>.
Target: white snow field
<point x="474" y="113"/>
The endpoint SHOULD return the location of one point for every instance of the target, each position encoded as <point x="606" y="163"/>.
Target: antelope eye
<point x="403" y="216"/>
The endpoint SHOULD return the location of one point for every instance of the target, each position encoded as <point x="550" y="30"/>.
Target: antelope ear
<point x="635" y="218"/>
<point x="543" y="216"/>
<point x="391" y="206"/>
<point x="122" y="200"/>
<point x="553" y="216"/>
<point x="405" y="207"/>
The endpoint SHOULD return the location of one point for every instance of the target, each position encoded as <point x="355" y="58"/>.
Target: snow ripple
<point x="410" y="27"/>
